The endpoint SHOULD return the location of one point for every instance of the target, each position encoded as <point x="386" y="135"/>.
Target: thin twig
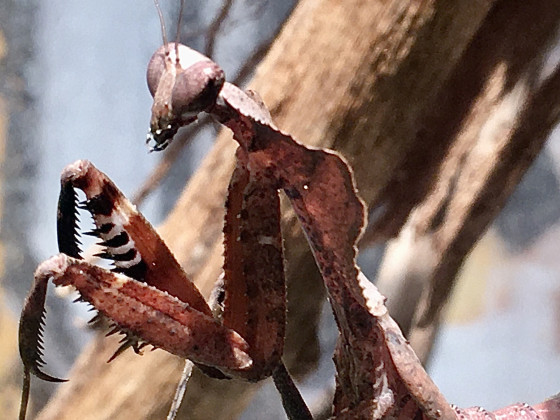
<point x="216" y="307"/>
<point x="195" y="32"/>
<point x="254" y="59"/>
<point x="259" y="8"/>
<point x="215" y="27"/>
<point x="180" y="391"/>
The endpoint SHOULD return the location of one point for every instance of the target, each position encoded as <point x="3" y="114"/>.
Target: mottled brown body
<point x="512" y="412"/>
<point x="255" y="293"/>
<point x="152" y="301"/>
<point x="320" y="187"/>
<point x="378" y="374"/>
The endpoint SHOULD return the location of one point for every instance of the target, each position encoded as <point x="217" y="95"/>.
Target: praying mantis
<point x="148" y="297"/>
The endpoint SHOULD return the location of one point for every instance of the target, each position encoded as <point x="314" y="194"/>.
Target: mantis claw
<point x="67" y="221"/>
<point x="32" y="323"/>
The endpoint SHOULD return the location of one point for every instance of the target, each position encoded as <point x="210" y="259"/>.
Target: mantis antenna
<point x="162" y="24"/>
<point x="178" y="36"/>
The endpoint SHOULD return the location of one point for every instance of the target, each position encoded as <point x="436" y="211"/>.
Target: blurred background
<point x="73" y="87"/>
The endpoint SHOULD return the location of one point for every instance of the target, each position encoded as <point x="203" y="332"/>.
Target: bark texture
<point x="490" y="121"/>
<point x="370" y="79"/>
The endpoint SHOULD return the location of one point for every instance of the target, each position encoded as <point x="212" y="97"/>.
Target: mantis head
<point x="183" y="83"/>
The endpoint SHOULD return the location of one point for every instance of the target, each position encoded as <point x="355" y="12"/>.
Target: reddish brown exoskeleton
<point x="149" y="298"/>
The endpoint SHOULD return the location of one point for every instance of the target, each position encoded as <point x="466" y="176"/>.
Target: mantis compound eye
<point x="183" y="83"/>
